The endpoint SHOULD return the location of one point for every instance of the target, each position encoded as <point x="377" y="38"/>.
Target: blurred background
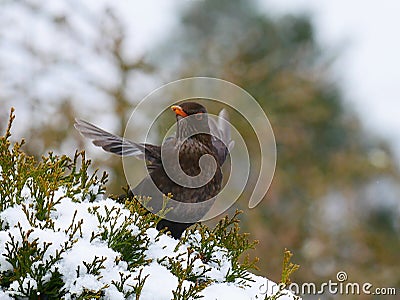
<point x="325" y="72"/>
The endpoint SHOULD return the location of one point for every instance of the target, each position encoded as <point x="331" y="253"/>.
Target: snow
<point x="85" y="247"/>
<point x="225" y="290"/>
<point x="4" y="296"/>
<point x="160" y="283"/>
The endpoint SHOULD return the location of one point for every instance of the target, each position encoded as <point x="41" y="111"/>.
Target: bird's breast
<point x="183" y="160"/>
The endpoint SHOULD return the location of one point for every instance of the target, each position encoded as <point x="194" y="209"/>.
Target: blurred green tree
<point x="315" y="205"/>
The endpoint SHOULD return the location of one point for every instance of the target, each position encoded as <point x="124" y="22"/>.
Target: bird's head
<point x="192" y="119"/>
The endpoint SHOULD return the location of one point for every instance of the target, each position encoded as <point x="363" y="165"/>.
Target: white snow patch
<point x="87" y="246"/>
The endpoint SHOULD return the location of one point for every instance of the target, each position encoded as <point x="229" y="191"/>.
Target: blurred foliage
<point x="92" y="74"/>
<point x="321" y="146"/>
<point x="320" y="203"/>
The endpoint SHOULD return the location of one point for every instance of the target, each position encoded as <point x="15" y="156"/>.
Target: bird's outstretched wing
<point x="116" y="144"/>
<point x="221" y="135"/>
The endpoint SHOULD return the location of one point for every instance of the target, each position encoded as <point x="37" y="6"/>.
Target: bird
<point x="175" y="167"/>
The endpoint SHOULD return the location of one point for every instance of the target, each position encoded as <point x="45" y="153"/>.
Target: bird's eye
<point x="199" y="116"/>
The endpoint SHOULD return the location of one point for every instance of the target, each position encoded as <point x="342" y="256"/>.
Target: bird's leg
<point x="175" y="228"/>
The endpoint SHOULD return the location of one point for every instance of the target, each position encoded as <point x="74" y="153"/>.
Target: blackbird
<point x="176" y="166"/>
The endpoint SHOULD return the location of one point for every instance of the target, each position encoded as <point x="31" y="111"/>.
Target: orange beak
<point x="178" y="110"/>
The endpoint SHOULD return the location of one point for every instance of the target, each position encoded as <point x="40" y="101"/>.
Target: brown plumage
<point x="196" y="136"/>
